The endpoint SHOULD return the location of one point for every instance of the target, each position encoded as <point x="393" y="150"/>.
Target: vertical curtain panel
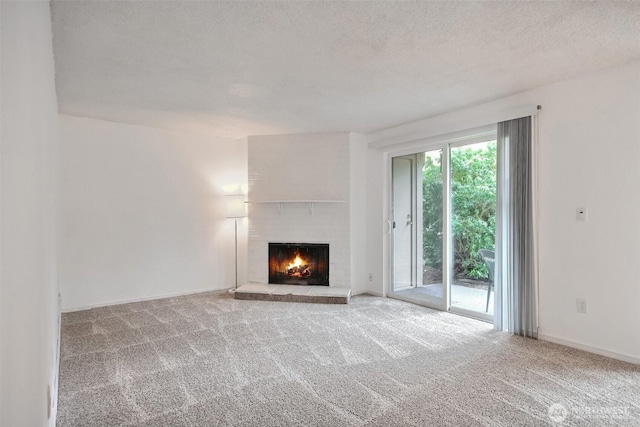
<point x="516" y="260"/>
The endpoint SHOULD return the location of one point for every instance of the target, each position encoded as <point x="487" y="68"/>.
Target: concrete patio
<point x="463" y="295"/>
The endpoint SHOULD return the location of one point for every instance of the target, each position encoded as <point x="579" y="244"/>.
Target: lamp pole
<point x="236" y="208"/>
<point x="236" y="249"/>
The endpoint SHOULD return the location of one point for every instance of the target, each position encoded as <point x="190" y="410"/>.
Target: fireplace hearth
<point x="299" y="263"/>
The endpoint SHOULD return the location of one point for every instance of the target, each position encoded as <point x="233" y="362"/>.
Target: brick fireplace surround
<point x="308" y="188"/>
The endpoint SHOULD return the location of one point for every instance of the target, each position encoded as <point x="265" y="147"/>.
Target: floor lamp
<point x="236" y="208"/>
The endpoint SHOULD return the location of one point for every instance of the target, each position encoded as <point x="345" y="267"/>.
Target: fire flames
<point x="298" y="268"/>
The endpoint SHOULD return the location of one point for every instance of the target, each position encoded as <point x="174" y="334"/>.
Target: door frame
<point x="482" y="134"/>
<point x="413" y="152"/>
<point x="412" y="158"/>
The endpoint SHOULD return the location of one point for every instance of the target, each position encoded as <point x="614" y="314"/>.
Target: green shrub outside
<point x="473" y="184"/>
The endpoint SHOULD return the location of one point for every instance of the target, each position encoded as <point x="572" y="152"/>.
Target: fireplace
<point x="299" y="263"/>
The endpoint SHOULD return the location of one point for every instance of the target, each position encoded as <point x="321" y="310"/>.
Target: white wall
<point x="28" y="293"/>
<point x="142" y="212"/>
<point x="377" y="226"/>
<point x="358" y="212"/>
<point x="589" y="154"/>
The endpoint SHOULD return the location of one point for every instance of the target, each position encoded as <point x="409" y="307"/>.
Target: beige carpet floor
<point x="207" y="360"/>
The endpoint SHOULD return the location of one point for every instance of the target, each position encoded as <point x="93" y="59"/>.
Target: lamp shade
<point x="236" y="207"/>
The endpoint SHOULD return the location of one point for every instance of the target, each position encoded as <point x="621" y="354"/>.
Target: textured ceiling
<point x="242" y="68"/>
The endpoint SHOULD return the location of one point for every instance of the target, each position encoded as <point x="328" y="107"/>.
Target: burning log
<point x="299" y="271"/>
<point x="298" y="268"/>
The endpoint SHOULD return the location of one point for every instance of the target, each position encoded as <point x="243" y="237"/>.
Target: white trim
<point x="387" y="241"/>
<point x="412" y="158"/>
<point x="467" y="136"/>
<point x="56" y="378"/>
<point x="292" y="201"/>
<point x="447" y="230"/>
<point x="590" y="349"/>
<point x="127" y="301"/>
<point x="477" y="315"/>
<point x="388" y="238"/>
<point x="370" y="292"/>
<point x="366" y="292"/>
<point x="500" y="300"/>
<point x="446" y="124"/>
<point x="475" y="139"/>
<point x="281" y="204"/>
<point x="405" y="298"/>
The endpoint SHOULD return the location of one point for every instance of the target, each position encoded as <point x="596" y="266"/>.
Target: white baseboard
<point x="151" y="298"/>
<point x="374" y="293"/>
<point x="590" y="349"/>
<point x="54" y="397"/>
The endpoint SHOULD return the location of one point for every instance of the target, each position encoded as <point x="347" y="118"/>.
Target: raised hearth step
<point x="294" y="293"/>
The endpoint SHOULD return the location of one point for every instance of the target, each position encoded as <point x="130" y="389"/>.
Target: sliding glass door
<point x="443" y="230"/>
<point x="425" y="193"/>
<point x="404" y="253"/>
<point x="473" y="227"/>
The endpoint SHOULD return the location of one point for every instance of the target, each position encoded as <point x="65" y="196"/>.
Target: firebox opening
<point x="299" y="263"/>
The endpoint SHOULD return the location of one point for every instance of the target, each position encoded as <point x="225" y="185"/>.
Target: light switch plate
<point x="581" y="214"/>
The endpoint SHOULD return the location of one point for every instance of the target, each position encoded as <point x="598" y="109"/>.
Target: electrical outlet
<point x="371" y="277"/>
<point x="581" y="305"/>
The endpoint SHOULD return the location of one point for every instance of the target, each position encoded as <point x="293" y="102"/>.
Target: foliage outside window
<point x="473" y="185"/>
